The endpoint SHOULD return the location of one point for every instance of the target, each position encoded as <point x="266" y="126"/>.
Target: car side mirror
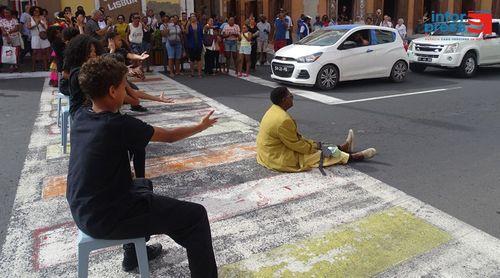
<point x="490" y="36"/>
<point x="348" y="45"/>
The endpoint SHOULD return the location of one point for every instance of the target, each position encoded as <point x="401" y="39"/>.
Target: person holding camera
<point x="263" y="40"/>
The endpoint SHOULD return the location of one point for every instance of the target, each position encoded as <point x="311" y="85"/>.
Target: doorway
<point x="468" y="6"/>
<point x="344" y="15"/>
<point x="251" y="9"/>
<point x="232" y="10"/>
<point x="274" y="7"/>
<point x="390" y="9"/>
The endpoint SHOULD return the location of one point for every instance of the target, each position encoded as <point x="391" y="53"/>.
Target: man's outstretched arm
<point x="179" y="133"/>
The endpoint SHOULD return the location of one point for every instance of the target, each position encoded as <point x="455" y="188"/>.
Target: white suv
<point x="340" y="53"/>
<point x="463" y="51"/>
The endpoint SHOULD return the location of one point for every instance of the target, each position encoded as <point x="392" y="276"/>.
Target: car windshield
<point x="459" y="29"/>
<point x="323" y="37"/>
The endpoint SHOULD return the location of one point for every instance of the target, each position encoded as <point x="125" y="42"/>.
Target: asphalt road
<point x="19" y="105"/>
<point x="441" y="148"/>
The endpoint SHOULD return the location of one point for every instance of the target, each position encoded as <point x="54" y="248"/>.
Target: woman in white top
<point x="39" y="43"/>
<point x="135" y="34"/>
<point x="401" y="28"/>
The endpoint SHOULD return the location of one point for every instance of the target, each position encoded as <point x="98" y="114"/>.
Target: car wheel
<point x="399" y="71"/>
<point x="468" y="67"/>
<point x="328" y="77"/>
<point x="417" y="68"/>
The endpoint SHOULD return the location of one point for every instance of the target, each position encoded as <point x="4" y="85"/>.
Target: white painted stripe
<point x="397" y="95"/>
<point x="331" y="100"/>
<point x="228" y="202"/>
<point x="303" y="93"/>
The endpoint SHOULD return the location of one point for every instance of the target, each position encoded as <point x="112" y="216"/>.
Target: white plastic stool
<point x="86" y="244"/>
<point x="65" y="124"/>
<point x="60" y="97"/>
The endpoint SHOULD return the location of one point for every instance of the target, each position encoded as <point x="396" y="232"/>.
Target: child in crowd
<point x="104" y="200"/>
<point x="217" y="42"/>
<point x="221" y="66"/>
<point x="245" y="50"/>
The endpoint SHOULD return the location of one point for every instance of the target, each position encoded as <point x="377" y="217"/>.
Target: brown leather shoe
<point x="368" y="153"/>
<point x="350" y="141"/>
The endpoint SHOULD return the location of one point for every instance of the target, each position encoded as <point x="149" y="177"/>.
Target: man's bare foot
<point x="365" y="154"/>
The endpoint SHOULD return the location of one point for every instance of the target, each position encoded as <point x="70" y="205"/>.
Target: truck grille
<point x="428" y="47"/>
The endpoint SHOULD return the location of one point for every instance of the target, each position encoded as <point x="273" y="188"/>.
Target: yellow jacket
<point x="279" y="146"/>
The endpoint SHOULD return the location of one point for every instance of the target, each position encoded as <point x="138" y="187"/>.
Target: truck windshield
<point x="455" y="29"/>
<point x="323" y="37"/>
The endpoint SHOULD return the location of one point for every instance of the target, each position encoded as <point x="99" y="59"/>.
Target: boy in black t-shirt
<point x="104" y="200"/>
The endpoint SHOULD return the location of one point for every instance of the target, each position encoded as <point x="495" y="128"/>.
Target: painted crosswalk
<point x="264" y="224"/>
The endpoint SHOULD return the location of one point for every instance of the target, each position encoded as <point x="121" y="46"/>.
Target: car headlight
<point x="309" y="58"/>
<point x="452" y="48"/>
<point x="411" y="47"/>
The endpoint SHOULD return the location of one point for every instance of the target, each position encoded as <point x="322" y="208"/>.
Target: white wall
<point x="189" y="4"/>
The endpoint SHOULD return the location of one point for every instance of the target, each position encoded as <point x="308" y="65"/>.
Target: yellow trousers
<point x="312" y="160"/>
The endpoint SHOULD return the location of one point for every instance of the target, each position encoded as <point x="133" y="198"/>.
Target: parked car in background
<point x="340" y="53"/>
<point x="460" y="50"/>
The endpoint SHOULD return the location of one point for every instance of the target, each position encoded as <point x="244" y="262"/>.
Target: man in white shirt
<point x="26" y="34"/>
<point x="263" y="40"/>
<point x="288" y="19"/>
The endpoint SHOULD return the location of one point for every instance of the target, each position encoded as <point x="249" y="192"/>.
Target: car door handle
<point x="369" y="50"/>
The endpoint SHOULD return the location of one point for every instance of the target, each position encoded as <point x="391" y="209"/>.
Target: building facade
<point x="410" y="10"/>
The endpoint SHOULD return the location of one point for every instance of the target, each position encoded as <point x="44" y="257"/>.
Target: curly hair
<point x="99" y="74"/>
<point x="78" y="51"/>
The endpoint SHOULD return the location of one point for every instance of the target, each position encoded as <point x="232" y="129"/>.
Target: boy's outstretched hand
<point x="144" y="56"/>
<point x="166" y="99"/>
<point x="207" y="122"/>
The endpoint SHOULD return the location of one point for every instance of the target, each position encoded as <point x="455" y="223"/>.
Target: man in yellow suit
<point x="280" y="147"/>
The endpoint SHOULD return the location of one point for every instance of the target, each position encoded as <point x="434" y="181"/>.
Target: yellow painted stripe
<point x="360" y="249"/>
<point x="159" y="166"/>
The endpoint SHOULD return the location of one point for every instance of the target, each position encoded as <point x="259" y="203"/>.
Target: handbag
<point x="42" y="34"/>
<point x="9" y="55"/>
